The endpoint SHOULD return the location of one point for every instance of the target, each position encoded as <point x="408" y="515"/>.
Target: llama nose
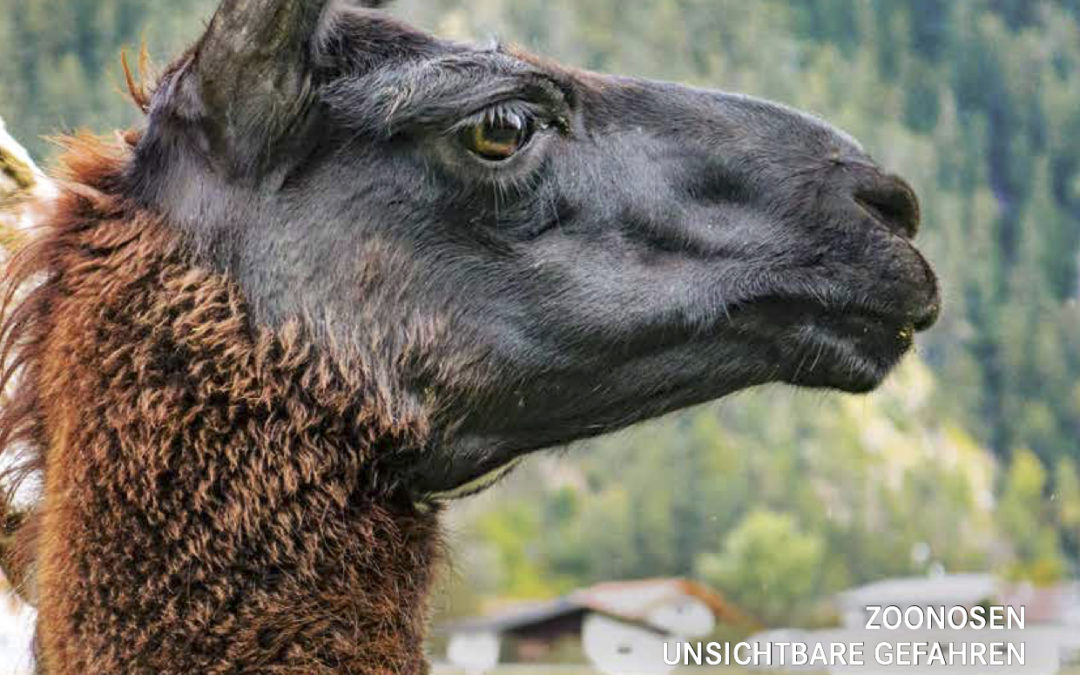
<point x="891" y="201"/>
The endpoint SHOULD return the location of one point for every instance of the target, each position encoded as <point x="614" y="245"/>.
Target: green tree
<point x="768" y="565"/>
<point x="1024" y="516"/>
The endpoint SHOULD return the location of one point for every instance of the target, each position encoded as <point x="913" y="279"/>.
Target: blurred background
<point x="778" y="501"/>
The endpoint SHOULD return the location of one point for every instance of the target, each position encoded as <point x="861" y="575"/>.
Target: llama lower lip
<point x="853" y="351"/>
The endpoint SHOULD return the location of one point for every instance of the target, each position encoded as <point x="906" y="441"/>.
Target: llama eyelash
<point x="501" y="112"/>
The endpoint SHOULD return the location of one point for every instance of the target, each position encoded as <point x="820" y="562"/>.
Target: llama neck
<point x="211" y="502"/>
<point x="167" y="577"/>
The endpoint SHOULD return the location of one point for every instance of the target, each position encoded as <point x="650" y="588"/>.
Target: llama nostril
<point x="891" y="200"/>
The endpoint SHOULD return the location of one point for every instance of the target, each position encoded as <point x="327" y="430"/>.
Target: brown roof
<point x="634" y="599"/>
<point x="629" y="601"/>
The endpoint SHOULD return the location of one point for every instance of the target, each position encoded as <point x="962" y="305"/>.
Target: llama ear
<point x="252" y="71"/>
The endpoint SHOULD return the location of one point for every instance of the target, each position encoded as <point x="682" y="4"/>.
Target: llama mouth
<point x="850" y="348"/>
<point x="855" y="318"/>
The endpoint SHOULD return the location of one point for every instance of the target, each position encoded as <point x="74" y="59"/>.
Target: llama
<point x="348" y="270"/>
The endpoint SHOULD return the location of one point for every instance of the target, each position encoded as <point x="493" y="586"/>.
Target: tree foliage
<point x="767" y="563"/>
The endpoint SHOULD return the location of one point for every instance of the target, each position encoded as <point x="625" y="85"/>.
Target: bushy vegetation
<point x="967" y="461"/>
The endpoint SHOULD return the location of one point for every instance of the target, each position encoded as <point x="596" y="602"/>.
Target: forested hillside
<point x="968" y="461"/>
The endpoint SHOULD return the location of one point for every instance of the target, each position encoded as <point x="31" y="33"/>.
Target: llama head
<point x="528" y="253"/>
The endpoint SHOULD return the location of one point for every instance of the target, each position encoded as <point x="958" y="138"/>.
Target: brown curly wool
<point x="211" y="501"/>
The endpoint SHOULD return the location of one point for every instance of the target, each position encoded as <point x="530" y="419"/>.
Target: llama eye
<point x="497" y="138"/>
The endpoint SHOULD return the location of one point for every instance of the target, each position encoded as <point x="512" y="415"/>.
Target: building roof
<point x="634" y="599"/>
<point x="629" y="601"/>
<point x="517" y="616"/>
<point x="948" y="589"/>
